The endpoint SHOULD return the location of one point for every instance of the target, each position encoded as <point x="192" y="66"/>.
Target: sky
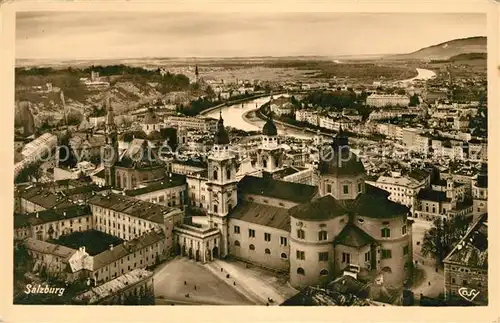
<point x="102" y="35"/>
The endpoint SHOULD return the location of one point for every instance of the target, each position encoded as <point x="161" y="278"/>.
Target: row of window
<point x="302" y="272"/>
<point x="267" y="251"/>
<point x="63" y="223"/>
<point x="130" y="219"/>
<point x="267" y="236"/>
<point x="215" y="174"/>
<point x="464" y="282"/>
<point x="345" y="188"/>
<point x="391" y="188"/>
<point x="107" y="212"/>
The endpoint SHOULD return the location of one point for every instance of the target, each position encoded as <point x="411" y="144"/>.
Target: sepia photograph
<point x="250" y="158"/>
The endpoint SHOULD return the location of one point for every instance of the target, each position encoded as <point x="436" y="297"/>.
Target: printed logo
<point x="468" y="294"/>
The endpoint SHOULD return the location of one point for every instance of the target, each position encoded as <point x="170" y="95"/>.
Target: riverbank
<point x="311" y="132"/>
<point x="238" y="101"/>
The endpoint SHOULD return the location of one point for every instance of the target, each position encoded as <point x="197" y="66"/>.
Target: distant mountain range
<point x="447" y="50"/>
<point x="444" y="51"/>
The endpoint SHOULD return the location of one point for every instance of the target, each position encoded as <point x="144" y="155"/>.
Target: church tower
<point x="340" y="172"/>
<point x="110" y="155"/>
<point x="270" y="154"/>
<point x="480" y="192"/>
<point x="221" y="184"/>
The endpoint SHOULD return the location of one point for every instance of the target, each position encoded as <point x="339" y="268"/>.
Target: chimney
<point x="111" y="247"/>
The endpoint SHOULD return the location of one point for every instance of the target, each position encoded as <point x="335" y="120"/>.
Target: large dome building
<point x="352" y="226"/>
<point x="312" y="232"/>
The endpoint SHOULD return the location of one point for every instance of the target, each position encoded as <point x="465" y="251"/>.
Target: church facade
<point x="311" y="232"/>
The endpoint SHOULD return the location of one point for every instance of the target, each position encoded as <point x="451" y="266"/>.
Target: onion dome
<point x="338" y="159"/>
<point x="221" y="135"/>
<point x="150" y="117"/>
<point x="269" y="128"/>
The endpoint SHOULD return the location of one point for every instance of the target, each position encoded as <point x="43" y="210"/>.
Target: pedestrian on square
<point x="194" y="287"/>
<point x="185" y="282"/>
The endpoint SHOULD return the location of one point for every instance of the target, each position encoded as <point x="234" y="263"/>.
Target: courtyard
<point x="94" y="241"/>
<point x="169" y="285"/>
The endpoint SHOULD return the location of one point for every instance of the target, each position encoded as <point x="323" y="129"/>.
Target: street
<point x="426" y="265"/>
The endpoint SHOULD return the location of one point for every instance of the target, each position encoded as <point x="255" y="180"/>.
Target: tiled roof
<point x="323" y="208"/>
<point x="353" y="236"/>
<point x="288" y="191"/>
<point x="140" y="154"/>
<point x="173" y="181"/>
<point x="265" y="215"/>
<point x="36" y="218"/>
<point x="109" y="256"/>
<point x="114" y="286"/>
<point x="313" y="296"/>
<point x="192" y="163"/>
<point x="374" y="204"/>
<point x="472" y="250"/>
<point x="131" y="206"/>
<point x="48" y="248"/>
<point x="418" y="174"/>
<point x="346" y="284"/>
<point x="49" y="196"/>
<point x="431" y="195"/>
<point x="285" y="172"/>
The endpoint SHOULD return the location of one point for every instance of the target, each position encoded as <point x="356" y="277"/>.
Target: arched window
<point x="300" y="271"/>
<point x="228" y="173"/>
<point x="264" y="163"/>
<point x="252" y="247"/>
<point x="324" y="272"/>
<point x="322" y="235"/>
<point x="267" y="251"/>
<point x="387" y="270"/>
<point x="215" y="175"/>
<point x="301" y="234"/>
<point x="237" y="243"/>
<point x="283" y="255"/>
<point x="386" y="233"/>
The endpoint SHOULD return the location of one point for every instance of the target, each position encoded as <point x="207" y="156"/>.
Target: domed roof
<point x="338" y="159"/>
<point x="221" y="135"/>
<point x="150" y="117"/>
<point x="269" y="128"/>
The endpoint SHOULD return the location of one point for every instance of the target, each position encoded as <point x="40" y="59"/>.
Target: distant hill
<point x="446" y="50"/>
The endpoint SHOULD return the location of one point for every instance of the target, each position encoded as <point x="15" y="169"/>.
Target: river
<point x="233" y="115"/>
<point x="423" y="74"/>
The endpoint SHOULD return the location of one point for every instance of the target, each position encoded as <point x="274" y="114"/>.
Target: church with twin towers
<point x="312" y="233"/>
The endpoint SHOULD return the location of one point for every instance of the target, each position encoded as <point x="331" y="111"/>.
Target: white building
<point x="382" y="100"/>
